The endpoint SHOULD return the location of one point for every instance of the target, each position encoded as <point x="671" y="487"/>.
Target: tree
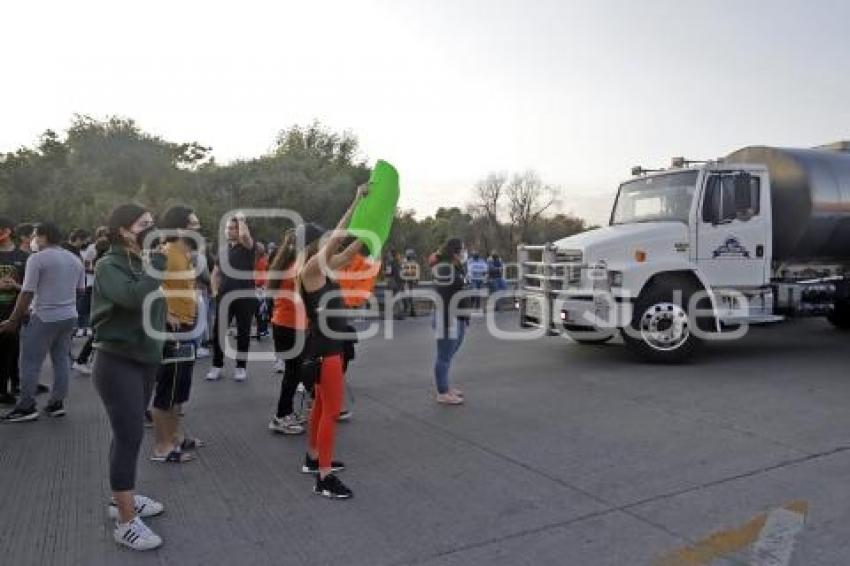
<point x="76" y="178"/>
<point x="318" y="141"/>
<point x="487" y="207"/>
<point x="528" y="198"/>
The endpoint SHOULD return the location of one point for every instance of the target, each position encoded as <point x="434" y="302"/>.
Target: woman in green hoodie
<point x="128" y="349"/>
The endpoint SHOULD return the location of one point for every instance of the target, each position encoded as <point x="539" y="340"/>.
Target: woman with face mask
<point x="128" y="354"/>
<point x="451" y="315"/>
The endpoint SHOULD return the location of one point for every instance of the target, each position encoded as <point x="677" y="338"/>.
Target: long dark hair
<point x="122" y="216"/>
<point x="283" y="258"/>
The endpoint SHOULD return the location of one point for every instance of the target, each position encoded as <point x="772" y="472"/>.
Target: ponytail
<point x="283" y="259"/>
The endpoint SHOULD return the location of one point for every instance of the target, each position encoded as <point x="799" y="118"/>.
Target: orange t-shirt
<point x="261" y="269"/>
<point x="358" y="278"/>
<point x="289" y="309"/>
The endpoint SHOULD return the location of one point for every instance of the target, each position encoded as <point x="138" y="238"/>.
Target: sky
<point x="446" y="90"/>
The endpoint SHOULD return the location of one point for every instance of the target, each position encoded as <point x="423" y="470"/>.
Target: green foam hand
<point x="374" y="215"/>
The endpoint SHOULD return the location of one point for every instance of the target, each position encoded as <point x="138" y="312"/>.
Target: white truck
<point x="700" y="251"/>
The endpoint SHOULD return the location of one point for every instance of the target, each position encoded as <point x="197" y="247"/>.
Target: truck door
<point x="733" y="229"/>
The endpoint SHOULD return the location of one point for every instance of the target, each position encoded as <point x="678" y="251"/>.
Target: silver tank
<point x="810" y="200"/>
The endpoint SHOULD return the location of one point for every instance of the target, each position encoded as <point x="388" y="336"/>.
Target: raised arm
<point x="244" y="233"/>
<point x="327" y="254"/>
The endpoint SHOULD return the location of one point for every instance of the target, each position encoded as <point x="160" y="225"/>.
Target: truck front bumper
<point x="575" y="311"/>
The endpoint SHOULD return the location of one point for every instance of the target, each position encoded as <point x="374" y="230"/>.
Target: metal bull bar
<point x="535" y="278"/>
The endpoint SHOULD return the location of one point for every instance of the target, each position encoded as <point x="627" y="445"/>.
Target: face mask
<point x="140" y="236"/>
<point x="464" y="256"/>
<point x="33" y="245"/>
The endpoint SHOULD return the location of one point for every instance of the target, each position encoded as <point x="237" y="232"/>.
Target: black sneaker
<point x="21" y="415"/>
<point x="55" y="409"/>
<point x="311" y="466"/>
<point x="7" y="399"/>
<point x="332" y="488"/>
<point x="41" y="389"/>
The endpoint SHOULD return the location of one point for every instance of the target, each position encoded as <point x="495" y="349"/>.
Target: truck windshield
<point x="652" y="199"/>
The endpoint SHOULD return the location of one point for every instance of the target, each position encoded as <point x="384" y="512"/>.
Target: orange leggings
<point x="326" y="408"/>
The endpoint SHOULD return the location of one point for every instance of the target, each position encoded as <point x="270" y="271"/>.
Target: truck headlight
<point x="615" y="278"/>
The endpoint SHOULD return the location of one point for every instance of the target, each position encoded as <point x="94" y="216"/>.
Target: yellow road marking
<point x="724" y="542"/>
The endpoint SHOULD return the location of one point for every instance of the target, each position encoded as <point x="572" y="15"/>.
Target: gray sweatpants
<point x="38" y="338"/>
<point x="125" y="387"/>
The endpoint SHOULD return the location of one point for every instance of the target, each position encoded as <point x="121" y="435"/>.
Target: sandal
<point x="191" y="444"/>
<point x="173" y="457"/>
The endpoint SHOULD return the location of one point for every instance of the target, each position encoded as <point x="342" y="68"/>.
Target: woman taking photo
<point x="450" y="319"/>
<point x="126" y="362"/>
<point x="316" y="276"/>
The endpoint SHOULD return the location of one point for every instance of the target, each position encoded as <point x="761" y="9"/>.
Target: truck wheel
<point x="662" y="328"/>
<point x="840" y="316"/>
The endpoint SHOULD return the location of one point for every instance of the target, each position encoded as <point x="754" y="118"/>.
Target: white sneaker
<point x="202" y="353"/>
<point x="278" y="366"/>
<point x="144" y="506"/>
<point x="214" y="374"/>
<point x="241" y="374"/>
<point x="287" y="425"/>
<point x="136" y="535"/>
<point x="82" y="369"/>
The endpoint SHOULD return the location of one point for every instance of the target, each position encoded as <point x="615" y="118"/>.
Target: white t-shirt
<point x="89" y="255"/>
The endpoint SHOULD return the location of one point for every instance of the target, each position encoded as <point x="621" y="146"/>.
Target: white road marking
<point x="775" y="545"/>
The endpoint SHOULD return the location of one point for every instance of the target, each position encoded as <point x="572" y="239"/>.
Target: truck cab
<point x="685" y="235"/>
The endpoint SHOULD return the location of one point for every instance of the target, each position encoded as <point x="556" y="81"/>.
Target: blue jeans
<point x="447" y="347"/>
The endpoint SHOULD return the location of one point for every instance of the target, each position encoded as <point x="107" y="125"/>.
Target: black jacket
<point x="449" y="280"/>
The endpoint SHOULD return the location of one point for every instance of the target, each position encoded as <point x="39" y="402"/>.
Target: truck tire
<point x="840" y="316"/>
<point x="661" y="327"/>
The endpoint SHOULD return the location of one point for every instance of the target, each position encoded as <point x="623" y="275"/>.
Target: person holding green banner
<point x="318" y="266"/>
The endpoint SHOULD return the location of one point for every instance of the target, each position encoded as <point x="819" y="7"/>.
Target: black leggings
<point x="125" y="387"/>
<point x="285" y="339"/>
<point x="9" y="373"/>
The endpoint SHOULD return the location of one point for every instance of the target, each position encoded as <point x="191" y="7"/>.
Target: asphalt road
<point x="563" y="454"/>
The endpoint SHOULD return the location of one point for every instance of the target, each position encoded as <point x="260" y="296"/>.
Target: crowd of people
<point x="147" y="296"/>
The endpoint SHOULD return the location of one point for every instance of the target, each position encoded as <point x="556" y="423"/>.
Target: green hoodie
<point x="120" y="287"/>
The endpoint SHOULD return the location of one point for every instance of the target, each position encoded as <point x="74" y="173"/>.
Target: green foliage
<point x="99" y="164"/>
<point x="76" y="180"/>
